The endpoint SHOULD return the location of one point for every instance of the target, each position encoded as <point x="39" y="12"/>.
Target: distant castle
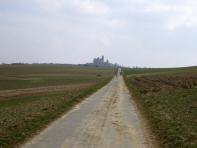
<point x="100" y="62"/>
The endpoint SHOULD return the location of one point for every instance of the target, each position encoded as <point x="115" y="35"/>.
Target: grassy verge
<point x="22" y="117"/>
<point x="168" y="100"/>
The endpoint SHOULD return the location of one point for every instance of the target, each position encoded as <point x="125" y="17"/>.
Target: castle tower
<point x="102" y="59"/>
<point x="107" y="61"/>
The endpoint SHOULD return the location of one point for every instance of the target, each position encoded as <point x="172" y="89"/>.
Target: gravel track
<point x="107" y="119"/>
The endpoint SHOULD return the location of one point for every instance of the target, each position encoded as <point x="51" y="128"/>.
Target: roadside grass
<point x="23" y="116"/>
<point x="168" y="100"/>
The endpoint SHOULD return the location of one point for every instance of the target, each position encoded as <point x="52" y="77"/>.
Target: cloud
<point x="50" y="5"/>
<point x="173" y="15"/>
<point x="92" y="7"/>
<point x="158" y="8"/>
<point x="184" y="16"/>
<point x="170" y="14"/>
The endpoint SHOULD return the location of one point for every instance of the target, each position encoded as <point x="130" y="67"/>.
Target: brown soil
<point x="30" y="91"/>
<point x="158" y="83"/>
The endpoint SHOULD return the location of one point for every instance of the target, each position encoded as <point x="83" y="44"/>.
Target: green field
<point x="28" y="76"/>
<point x="50" y="91"/>
<point x="168" y="100"/>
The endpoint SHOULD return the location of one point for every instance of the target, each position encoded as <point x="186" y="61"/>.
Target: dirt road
<point x="107" y="119"/>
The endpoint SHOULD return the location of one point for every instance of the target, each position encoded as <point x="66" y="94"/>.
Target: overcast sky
<point x="151" y="33"/>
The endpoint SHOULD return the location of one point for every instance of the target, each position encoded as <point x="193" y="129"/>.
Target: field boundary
<point x="39" y="90"/>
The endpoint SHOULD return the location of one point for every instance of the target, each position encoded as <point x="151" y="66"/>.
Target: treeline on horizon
<point x="20" y="63"/>
<point x="138" y="68"/>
